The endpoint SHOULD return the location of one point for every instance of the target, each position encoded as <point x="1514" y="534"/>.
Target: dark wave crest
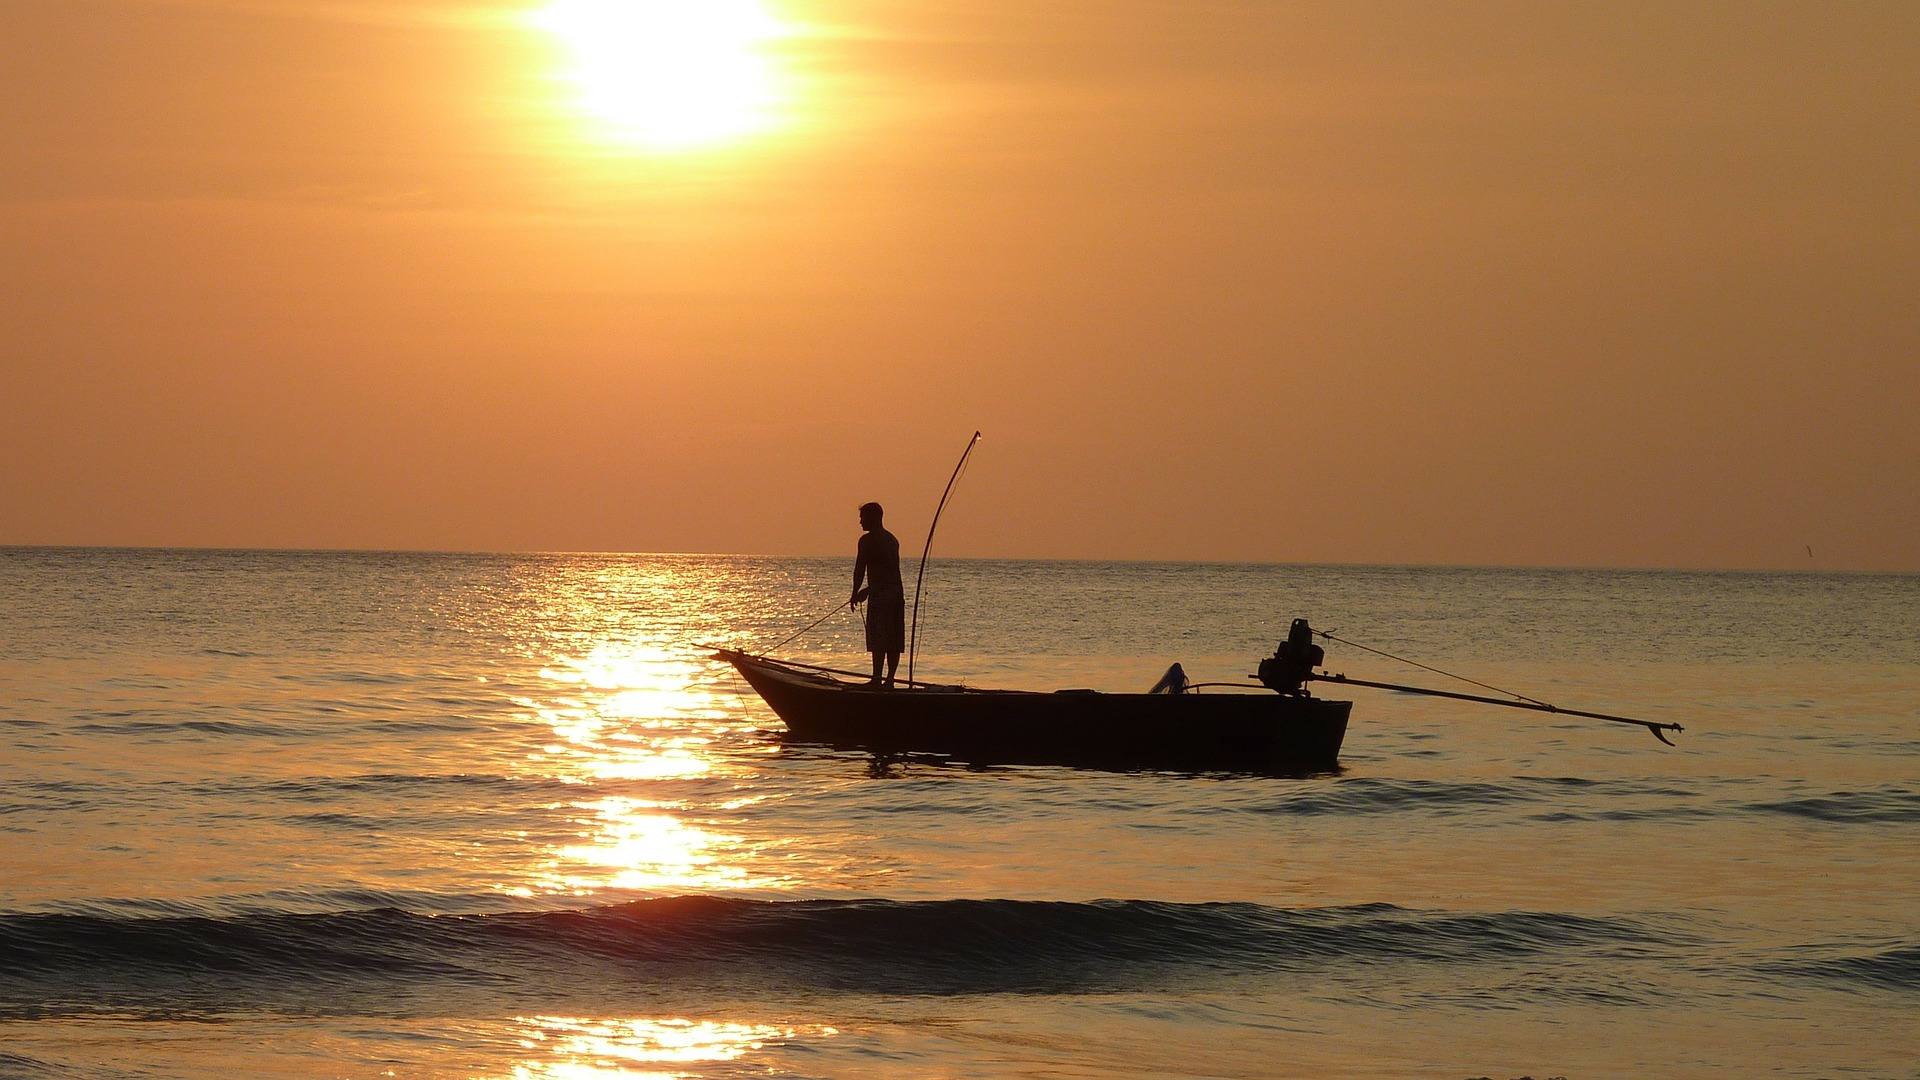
<point x="942" y="947"/>
<point x="1572" y="798"/>
<point x="1892" y="969"/>
<point x="20" y="1066"/>
<point x="1370" y="795"/>
<point x="1849" y="807"/>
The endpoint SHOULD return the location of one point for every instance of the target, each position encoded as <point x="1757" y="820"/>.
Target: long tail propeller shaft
<point x="1650" y="725"/>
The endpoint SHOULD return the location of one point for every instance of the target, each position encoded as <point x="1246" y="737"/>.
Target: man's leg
<point x="893" y="665"/>
<point x="876" y="667"/>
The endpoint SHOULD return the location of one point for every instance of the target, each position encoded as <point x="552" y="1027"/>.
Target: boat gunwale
<point x="819" y="678"/>
<point x="797" y="672"/>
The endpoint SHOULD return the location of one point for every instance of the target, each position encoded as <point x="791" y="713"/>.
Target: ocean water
<point x="273" y="814"/>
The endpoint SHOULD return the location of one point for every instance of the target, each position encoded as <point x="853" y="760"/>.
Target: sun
<point x="671" y="74"/>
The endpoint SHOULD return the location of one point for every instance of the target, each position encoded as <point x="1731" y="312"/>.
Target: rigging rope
<point x="1435" y="670"/>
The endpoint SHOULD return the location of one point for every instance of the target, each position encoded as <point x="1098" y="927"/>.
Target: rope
<point x="1435" y="670"/>
<point x="790" y="637"/>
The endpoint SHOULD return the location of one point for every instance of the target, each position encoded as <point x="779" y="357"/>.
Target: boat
<point x="1179" y="728"/>
<point x="1182" y="728"/>
<point x="1273" y="724"/>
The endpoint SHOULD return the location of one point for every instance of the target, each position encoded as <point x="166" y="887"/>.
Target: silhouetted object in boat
<point x="1173" y="682"/>
<point x="1292" y="664"/>
<point x="877" y="563"/>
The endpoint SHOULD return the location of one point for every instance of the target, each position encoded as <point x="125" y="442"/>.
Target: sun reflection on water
<point x="633" y="713"/>
<point x="578" y="1048"/>
<point x="635" y="846"/>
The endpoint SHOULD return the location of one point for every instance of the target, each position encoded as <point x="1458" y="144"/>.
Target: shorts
<point x="887" y="625"/>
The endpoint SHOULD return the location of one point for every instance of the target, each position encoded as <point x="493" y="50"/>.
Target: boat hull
<point x="1260" y="731"/>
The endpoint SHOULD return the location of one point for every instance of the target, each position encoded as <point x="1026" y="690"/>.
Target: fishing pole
<point x="831" y="612"/>
<point x="913" y="643"/>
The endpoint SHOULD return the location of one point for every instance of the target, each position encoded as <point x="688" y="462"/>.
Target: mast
<point x="913" y="643"/>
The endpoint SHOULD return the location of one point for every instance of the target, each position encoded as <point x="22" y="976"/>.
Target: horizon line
<point x="529" y="552"/>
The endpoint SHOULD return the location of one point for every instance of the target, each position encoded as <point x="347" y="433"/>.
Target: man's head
<point x="870" y="516"/>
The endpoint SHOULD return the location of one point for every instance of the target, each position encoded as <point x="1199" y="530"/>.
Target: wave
<point x="20" y="1065"/>
<point x="196" y="728"/>
<point x="1372" y="795"/>
<point x="1367" y="795"/>
<point x="932" y="947"/>
<point x="1892" y="969"/>
<point x="318" y="788"/>
<point x="1650" y="813"/>
<point x="301" y="901"/>
<point x="1848" y="807"/>
<point x="253" y="729"/>
<point x="366" y="783"/>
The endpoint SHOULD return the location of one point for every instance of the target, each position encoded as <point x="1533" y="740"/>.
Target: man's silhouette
<point x="877" y="563"/>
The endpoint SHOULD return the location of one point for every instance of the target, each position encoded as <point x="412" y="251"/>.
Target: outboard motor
<point x="1292" y="664"/>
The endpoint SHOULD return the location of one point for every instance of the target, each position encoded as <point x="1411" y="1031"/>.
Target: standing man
<point x="877" y="562"/>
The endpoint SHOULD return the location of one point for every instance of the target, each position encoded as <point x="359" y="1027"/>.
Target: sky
<point x="1467" y="283"/>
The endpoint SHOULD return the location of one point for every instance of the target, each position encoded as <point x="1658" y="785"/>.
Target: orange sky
<point x="1588" y="284"/>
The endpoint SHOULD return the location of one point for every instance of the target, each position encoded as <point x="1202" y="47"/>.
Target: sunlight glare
<point x="630" y="713"/>
<point x="577" y="1047"/>
<point x="671" y="74"/>
<point x="634" y="845"/>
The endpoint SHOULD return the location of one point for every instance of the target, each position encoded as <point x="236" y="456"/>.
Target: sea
<point x="352" y="814"/>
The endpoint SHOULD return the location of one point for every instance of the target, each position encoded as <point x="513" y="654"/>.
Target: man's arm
<point x="859" y="572"/>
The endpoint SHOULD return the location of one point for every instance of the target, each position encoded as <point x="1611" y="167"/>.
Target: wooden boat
<point x="1284" y="730"/>
<point x="1264" y="731"/>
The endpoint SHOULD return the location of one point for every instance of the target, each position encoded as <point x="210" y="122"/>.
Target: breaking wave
<point x="1892" y="969"/>
<point x="938" y="947"/>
